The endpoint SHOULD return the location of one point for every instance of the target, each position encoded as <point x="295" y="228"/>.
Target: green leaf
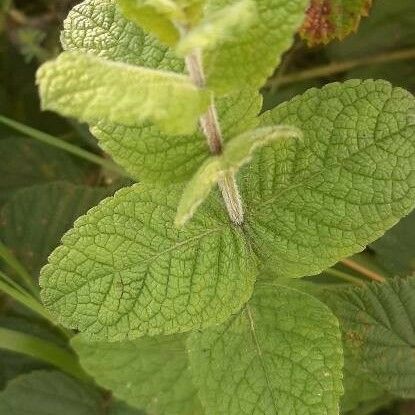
<point x="52" y="209"/>
<point x="26" y="163"/>
<point x="280" y="355"/>
<point x="150" y="373"/>
<point x="327" y="20"/>
<point x="125" y="271"/>
<point x="378" y="328"/>
<point x="154" y="16"/>
<point x="238" y="151"/>
<point x="45" y="393"/>
<point x="151" y="156"/>
<point x="93" y="89"/>
<point x="396" y="249"/>
<point x="99" y="28"/>
<point x="252" y="57"/>
<point x="315" y="201"/>
<point x="225" y="24"/>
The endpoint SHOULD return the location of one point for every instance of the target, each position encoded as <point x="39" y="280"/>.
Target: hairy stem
<point x="209" y="123"/>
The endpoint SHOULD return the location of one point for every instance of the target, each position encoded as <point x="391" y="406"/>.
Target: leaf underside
<point x="271" y="358"/>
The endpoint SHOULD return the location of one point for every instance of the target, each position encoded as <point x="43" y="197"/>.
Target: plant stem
<point x="63" y="145"/>
<point x="209" y="123"/>
<point x="338" y="67"/>
<point x="346" y="277"/>
<point x="43" y="350"/>
<point x="21" y="271"/>
<point x="363" y="270"/>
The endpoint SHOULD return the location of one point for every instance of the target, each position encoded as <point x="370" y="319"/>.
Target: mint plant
<point x="185" y="286"/>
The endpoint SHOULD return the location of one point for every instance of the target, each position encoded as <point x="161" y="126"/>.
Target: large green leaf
<point x="125" y="270"/>
<point x="52" y="209"/>
<point x="315" y="201"/>
<point x="150" y="373"/>
<point x="378" y="328"/>
<point x="333" y="19"/>
<point x="99" y="28"/>
<point x="45" y="393"/>
<point x="93" y="89"/>
<point x="281" y="355"/>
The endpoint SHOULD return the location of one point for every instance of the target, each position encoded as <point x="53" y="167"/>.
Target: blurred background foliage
<point x="43" y="189"/>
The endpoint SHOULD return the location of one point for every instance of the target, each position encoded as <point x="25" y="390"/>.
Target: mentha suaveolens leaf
<point x="150" y="373"/>
<point x="225" y="24"/>
<point x="125" y="271"/>
<point x="250" y="58"/>
<point x="98" y="27"/>
<point x="155" y="16"/>
<point x="237" y="152"/>
<point x="314" y="201"/>
<point x="281" y="355"/>
<point x="93" y="89"/>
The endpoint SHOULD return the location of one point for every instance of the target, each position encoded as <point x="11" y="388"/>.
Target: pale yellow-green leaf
<point x="225" y="24"/>
<point x="250" y="58"/>
<point x="237" y="152"/>
<point x="93" y="89"/>
<point x="154" y="16"/>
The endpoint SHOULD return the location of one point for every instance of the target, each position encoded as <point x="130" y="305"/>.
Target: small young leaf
<point x="251" y="58"/>
<point x="378" y="327"/>
<point x="149" y="373"/>
<point x="327" y="20"/>
<point x="125" y="271"/>
<point x="280" y="355"/>
<point x="45" y="393"/>
<point x="238" y="151"/>
<point x="98" y="27"/>
<point x="94" y="89"/>
<point x="154" y="16"/>
<point x="315" y="201"/>
<point x="224" y="25"/>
